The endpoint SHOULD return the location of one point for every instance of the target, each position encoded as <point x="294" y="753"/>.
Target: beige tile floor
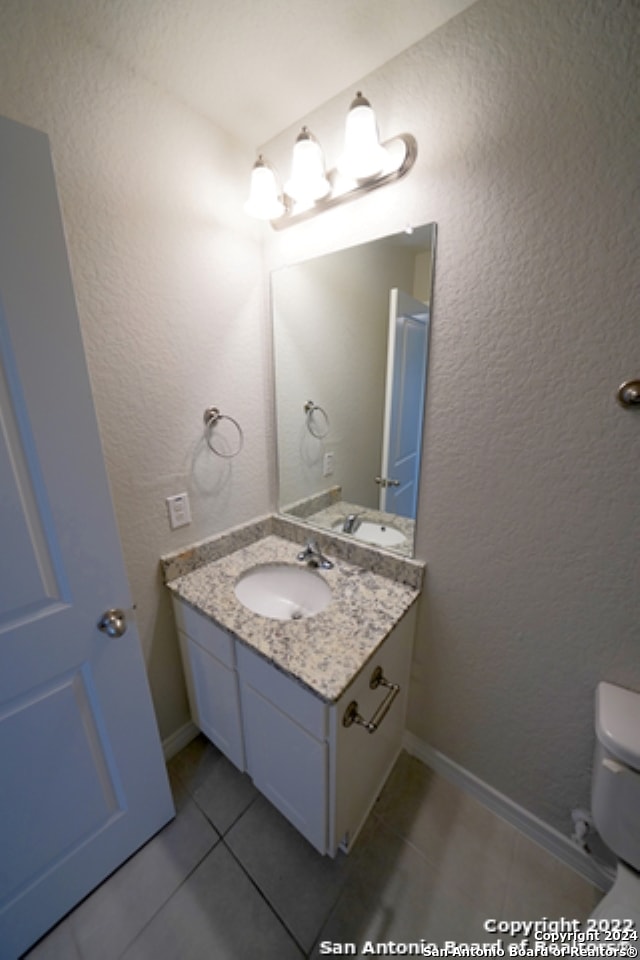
<point x="230" y="879"/>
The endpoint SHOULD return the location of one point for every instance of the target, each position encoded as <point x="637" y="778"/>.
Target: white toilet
<point x="615" y="796"/>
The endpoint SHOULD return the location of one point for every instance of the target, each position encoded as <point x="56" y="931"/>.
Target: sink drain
<point x="297" y="615"/>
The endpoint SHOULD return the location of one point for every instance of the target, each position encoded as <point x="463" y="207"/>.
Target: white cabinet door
<point x="209" y="661"/>
<point x="285" y="729"/>
<point x="214" y="699"/>
<point x="83" y="781"/>
<point x="287" y="765"/>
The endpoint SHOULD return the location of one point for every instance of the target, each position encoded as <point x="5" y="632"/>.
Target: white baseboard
<point x="537" y="830"/>
<point x="175" y="743"/>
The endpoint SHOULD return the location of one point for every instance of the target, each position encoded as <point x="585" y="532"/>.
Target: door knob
<point x="113" y="623"/>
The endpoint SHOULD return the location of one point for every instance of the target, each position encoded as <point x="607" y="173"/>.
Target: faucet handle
<point x="314" y="556"/>
<point x="352" y="521"/>
<point x="310" y="547"/>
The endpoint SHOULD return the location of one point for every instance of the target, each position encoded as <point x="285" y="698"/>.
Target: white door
<point x="407" y="357"/>
<point x="82" y="777"/>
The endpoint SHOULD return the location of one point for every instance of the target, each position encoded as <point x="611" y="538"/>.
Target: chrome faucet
<point x="351" y="522"/>
<point x="313" y="556"/>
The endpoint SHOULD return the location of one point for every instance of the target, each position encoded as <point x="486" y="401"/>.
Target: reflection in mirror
<point x="351" y="345"/>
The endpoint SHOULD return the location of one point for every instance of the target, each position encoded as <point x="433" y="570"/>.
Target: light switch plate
<point x="179" y="510"/>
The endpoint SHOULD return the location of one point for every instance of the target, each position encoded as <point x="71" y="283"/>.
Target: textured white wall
<point x="168" y="277"/>
<point x="527" y="121"/>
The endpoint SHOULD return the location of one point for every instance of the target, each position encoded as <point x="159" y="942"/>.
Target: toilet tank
<point x="615" y="795"/>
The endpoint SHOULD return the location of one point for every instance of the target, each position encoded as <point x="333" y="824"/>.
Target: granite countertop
<point x="324" y="652"/>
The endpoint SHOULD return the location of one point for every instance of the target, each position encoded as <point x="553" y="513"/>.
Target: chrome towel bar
<point x="351" y="714"/>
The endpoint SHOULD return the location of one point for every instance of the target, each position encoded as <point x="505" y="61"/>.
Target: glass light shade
<point x="363" y="154"/>
<point x="308" y="181"/>
<point x="264" y="200"/>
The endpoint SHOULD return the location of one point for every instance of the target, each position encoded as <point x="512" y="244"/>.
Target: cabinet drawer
<point x="205" y="632"/>
<point x="290" y="697"/>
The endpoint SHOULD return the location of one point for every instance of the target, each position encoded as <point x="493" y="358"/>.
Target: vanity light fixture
<point x="265" y="201"/>
<point x="365" y="165"/>
<point x="363" y="156"/>
<point x="308" y="181"/>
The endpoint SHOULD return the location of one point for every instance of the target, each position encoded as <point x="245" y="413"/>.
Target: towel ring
<point x="316" y="430"/>
<point x="211" y="417"/>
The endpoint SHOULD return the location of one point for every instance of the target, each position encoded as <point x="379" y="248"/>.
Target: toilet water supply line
<point x="582" y="827"/>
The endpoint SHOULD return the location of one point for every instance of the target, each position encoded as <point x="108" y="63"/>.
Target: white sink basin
<point x="378" y="534"/>
<point x="283" y="592"/>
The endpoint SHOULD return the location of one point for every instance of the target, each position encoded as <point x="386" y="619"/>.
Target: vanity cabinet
<point x="321" y="774"/>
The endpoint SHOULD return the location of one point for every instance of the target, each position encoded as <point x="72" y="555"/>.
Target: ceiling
<point x="255" y="67"/>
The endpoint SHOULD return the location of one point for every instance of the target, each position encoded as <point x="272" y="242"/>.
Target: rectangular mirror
<point x="351" y="347"/>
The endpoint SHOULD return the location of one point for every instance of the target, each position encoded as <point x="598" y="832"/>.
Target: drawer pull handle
<point x="351" y="714"/>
